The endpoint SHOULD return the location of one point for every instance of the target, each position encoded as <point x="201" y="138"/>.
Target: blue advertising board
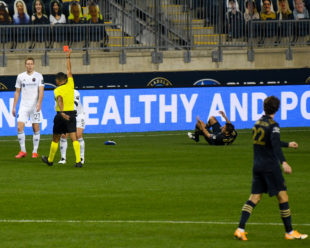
<point x="164" y="109"/>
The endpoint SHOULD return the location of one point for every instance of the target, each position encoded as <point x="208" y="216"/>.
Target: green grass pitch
<point x="150" y="190"/>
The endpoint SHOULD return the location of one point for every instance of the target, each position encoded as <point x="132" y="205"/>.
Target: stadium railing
<point x="157" y="25"/>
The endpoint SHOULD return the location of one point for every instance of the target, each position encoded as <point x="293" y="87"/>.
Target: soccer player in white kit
<point x="80" y="126"/>
<point x="30" y="85"/>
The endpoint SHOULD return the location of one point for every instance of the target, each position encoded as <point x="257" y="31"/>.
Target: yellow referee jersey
<point x="66" y="91"/>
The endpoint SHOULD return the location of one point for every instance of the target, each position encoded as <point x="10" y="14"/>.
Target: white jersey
<point x="77" y="103"/>
<point x="29" y="85"/>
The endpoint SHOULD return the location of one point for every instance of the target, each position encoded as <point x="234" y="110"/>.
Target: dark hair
<point x="52" y="9"/>
<point x="5" y="13"/>
<point x="230" y="128"/>
<point x="271" y="105"/>
<point x="34" y="11"/>
<point x="29" y="58"/>
<point x="61" y="77"/>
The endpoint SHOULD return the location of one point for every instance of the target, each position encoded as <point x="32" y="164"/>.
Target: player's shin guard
<point x="246" y="212"/>
<point x="82" y="147"/>
<point x="285" y="213"/>
<point x="77" y="151"/>
<point x="21" y="139"/>
<point x="36" y="141"/>
<point x="53" y="150"/>
<point x="63" y="148"/>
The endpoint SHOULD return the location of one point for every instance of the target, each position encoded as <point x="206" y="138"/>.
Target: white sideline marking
<point x="106" y="136"/>
<point x="146" y="222"/>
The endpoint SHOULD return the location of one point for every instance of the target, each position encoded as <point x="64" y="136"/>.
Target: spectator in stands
<point x="5" y="18"/>
<point x="67" y="4"/>
<point x="56" y="15"/>
<point x="267" y="29"/>
<point x="284" y="11"/>
<point x="251" y="12"/>
<point x="300" y="12"/>
<point x="76" y="34"/>
<point x="39" y="14"/>
<point x="20" y="17"/>
<point x="267" y="13"/>
<point x="229" y="6"/>
<point x="76" y="16"/>
<point x="96" y="33"/>
<point x="38" y="18"/>
<point x="20" y="13"/>
<point x="234" y="21"/>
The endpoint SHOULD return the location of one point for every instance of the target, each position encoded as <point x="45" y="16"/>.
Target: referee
<point x="65" y="118"/>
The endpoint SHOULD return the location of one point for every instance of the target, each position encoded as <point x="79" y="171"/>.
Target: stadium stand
<point x="153" y="24"/>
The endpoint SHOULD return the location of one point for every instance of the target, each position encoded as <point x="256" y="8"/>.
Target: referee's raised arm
<point x="69" y="73"/>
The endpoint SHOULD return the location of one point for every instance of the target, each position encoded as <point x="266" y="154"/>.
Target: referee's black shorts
<point x="271" y="182"/>
<point x="62" y="126"/>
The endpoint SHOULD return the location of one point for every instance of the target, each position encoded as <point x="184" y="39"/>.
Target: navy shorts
<point x="62" y="126"/>
<point x="214" y="129"/>
<point x="271" y="182"/>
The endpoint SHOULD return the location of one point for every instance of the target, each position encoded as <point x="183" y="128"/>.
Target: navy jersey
<point x="221" y="139"/>
<point x="267" y="144"/>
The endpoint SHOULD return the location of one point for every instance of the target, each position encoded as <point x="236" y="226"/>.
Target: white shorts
<point x="25" y="113"/>
<point x="80" y="121"/>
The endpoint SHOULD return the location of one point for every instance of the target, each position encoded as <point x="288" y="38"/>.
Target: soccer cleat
<point x="78" y="165"/>
<point x="45" y="160"/>
<point x="35" y="155"/>
<point x="82" y="160"/>
<point x="192" y="136"/>
<point x="295" y="235"/>
<point x="62" y="161"/>
<point x="240" y="235"/>
<point x="21" y="155"/>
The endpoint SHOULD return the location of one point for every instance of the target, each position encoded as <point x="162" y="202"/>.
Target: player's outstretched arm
<point x="293" y="144"/>
<point x="68" y="54"/>
<point x="224" y="116"/>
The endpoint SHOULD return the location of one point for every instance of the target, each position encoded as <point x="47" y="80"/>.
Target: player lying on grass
<point x="267" y="174"/>
<point x="213" y="132"/>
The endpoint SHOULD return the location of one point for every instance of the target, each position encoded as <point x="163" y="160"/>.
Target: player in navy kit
<point x="213" y="132"/>
<point x="267" y="174"/>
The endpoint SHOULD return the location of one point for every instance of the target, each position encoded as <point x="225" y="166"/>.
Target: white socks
<point x="82" y="147"/>
<point x="63" y="147"/>
<point x="21" y="140"/>
<point x="36" y="141"/>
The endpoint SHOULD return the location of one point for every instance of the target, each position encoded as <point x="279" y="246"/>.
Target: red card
<point x="66" y="48"/>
